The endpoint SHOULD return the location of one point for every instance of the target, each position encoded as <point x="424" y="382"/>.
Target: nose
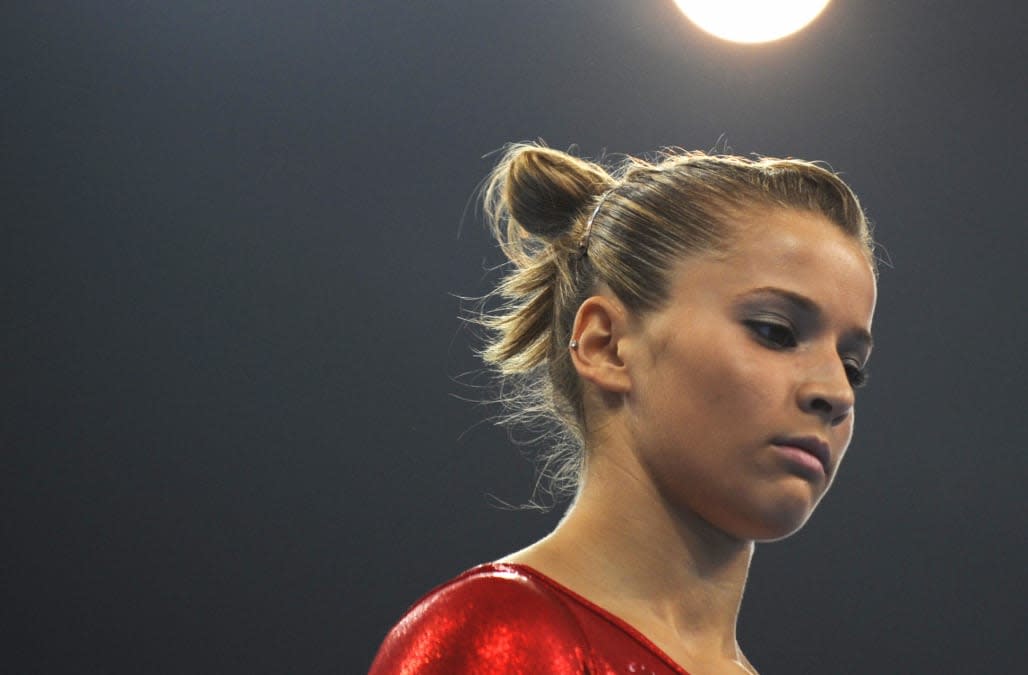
<point x="827" y="393"/>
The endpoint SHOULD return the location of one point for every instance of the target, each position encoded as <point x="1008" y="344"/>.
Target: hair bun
<point x="545" y="190"/>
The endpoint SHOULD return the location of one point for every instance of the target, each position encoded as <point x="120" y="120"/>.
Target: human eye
<point x="773" y="333"/>
<point x="855" y="373"/>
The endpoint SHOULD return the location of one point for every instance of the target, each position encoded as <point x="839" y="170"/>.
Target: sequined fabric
<point x="510" y="619"/>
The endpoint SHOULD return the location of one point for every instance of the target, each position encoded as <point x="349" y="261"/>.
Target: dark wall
<point x="232" y="438"/>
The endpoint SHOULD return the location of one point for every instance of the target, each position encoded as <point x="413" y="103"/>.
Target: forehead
<point x="797" y="251"/>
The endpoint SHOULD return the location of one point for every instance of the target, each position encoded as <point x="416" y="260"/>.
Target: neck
<point x="672" y="575"/>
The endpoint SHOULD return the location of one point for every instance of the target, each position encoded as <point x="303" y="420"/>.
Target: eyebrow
<point x="808" y="306"/>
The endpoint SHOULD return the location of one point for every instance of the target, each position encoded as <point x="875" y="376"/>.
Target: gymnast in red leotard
<point x="696" y="328"/>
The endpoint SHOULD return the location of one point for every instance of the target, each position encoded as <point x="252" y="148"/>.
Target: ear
<point x="600" y="323"/>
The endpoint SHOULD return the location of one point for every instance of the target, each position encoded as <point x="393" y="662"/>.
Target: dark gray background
<point x="231" y="240"/>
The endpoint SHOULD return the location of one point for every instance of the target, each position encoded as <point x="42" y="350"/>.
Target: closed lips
<point x="813" y="445"/>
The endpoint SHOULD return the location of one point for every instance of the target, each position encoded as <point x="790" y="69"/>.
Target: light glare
<point x="751" y="21"/>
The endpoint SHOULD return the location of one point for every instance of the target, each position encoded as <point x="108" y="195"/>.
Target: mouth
<point x="811" y="445"/>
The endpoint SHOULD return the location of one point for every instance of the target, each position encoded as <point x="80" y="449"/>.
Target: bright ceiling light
<point x="751" y="20"/>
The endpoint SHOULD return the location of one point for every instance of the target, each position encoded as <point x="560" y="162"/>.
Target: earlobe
<point x="599" y="326"/>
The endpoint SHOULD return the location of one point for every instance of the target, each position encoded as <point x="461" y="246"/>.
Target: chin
<point x="771" y="524"/>
<point x="781" y="530"/>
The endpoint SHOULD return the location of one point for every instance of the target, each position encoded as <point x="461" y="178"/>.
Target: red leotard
<point x="505" y="618"/>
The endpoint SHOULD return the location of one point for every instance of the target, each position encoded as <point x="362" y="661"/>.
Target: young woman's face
<point x="742" y="396"/>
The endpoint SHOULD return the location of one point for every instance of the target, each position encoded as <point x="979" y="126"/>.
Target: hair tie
<point x="583" y="243"/>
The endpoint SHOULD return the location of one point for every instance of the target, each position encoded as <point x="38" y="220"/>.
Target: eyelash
<point x="857" y="376"/>
<point x="782" y="336"/>
<point x="768" y="331"/>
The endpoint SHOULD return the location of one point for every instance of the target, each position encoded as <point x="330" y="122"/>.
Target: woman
<point x="697" y="327"/>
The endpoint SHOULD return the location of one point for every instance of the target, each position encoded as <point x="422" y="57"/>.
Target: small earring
<point x="573" y="344"/>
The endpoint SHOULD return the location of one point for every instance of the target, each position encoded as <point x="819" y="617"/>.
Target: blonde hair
<point x="648" y="216"/>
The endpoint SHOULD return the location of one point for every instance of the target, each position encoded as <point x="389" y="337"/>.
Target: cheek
<point x="717" y="399"/>
<point x="739" y="387"/>
<point x="844" y="433"/>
